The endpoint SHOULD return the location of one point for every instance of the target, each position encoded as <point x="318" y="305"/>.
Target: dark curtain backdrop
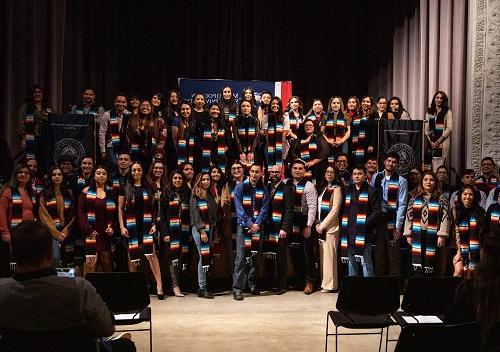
<point x="332" y="48"/>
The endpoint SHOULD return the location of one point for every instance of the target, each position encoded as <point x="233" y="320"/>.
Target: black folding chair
<point x="439" y="337"/>
<point x="427" y="296"/>
<point x="125" y="293"/>
<point x="365" y="303"/>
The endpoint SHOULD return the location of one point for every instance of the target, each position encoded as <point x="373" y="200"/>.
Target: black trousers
<point x="387" y="251"/>
<point x="4" y="259"/>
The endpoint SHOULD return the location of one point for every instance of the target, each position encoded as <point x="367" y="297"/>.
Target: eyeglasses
<point x="329" y="173"/>
<point x="342" y="161"/>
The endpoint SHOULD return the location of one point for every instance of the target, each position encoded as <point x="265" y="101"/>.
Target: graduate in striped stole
<point x="56" y="210"/>
<point x="468" y="218"/>
<point x="360" y="132"/>
<point x="275" y="127"/>
<point x="183" y="134"/>
<point x="213" y="142"/>
<point x="17" y="203"/>
<point x="84" y="176"/>
<point x="492" y="218"/>
<point x="313" y="149"/>
<point x="437" y="131"/>
<point x="279" y="226"/>
<point x="87" y="105"/>
<point x="361" y="211"/>
<point x="251" y="200"/>
<point x="394" y="194"/>
<point x="175" y="226"/>
<point x="248" y="141"/>
<point x="336" y="126"/>
<point x="203" y="215"/>
<point x="328" y="229"/>
<point x="426" y="224"/>
<point x="304" y="214"/>
<point x="137" y="219"/>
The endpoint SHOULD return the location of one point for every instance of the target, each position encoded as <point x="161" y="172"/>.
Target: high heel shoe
<point x="161" y="296"/>
<point x="205" y="294"/>
<point x="177" y="292"/>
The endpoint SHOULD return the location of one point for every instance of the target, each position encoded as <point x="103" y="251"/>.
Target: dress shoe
<point x="255" y="291"/>
<point x="309" y="288"/>
<point x="177" y="292"/>
<point x="205" y="294"/>
<point x="280" y="291"/>
<point x="237" y="296"/>
<point x="160" y="296"/>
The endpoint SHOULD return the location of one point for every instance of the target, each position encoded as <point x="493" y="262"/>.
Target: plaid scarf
<point x="134" y="240"/>
<point x="253" y="198"/>
<point x="392" y="197"/>
<point x="296" y="239"/>
<point x="29" y="131"/>
<point x="431" y="235"/>
<point x="178" y="223"/>
<point x="325" y="207"/>
<point x="67" y="246"/>
<point x="469" y="239"/>
<point x="359" y="240"/>
<point x="247" y="129"/>
<point x="204" y="246"/>
<point x="90" y="200"/>
<point x="359" y="138"/>
<point x="274" y="142"/>
<point x="275" y="221"/>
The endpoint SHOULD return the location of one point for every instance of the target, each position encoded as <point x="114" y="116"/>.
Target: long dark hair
<point x="171" y="109"/>
<point x="323" y="183"/>
<point x="31" y="91"/>
<point x="184" y="191"/>
<point x="474" y="210"/>
<point x="420" y="188"/>
<point x="221" y="182"/>
<point x="401" y="109"/>
<point x="444" y="107"/>
<point x="13" y="179"/>
<point x="486" y="282"/>
<point x="150" y="178"/>
<point x="48" y="189"/>
<point x="277" y="116"/>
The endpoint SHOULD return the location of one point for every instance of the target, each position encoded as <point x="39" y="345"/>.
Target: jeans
<point x="366" y="262"/>
<point x="242" y="272"/>
<point x="202" y="275"/>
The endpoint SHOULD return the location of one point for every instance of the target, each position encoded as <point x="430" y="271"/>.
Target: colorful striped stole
<point x="29" y="131"/>
<point x="295" y="122"/>
<point x="308" y="150"/>
<point x="392" y="197"/>
<point x="436" y="126"/>
<point x="253" y="198"/>
<point x="114" y="130"/>
<point x="275" y="221"/>
<point x="81" y="183"/>
<point x="134" y="240"/>
<point x="16" y="208"/>
<point x="419" y="259"/>
<point x="204" y="246"/>
<point x="359" y="239"/>
<point x="174" y="229"/>
<point x="496" y="192"/>
<point x="297" y="208"/>
<point x="206" y="144"/>
<point x="274" y="142"/>
<point x="135" y="151"/>
<point x="359" y="138"/>
<point x="325" y="208"/>
<point x="221" y="148"/>
<point x="90" y="199"/>
<point x="115" y="184"/>
<point x="469" y="241"/>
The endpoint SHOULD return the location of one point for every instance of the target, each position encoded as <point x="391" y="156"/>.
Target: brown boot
<point x="309" y="288"/>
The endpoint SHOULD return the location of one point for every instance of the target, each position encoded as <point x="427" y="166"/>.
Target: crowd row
<point x="117" y="218"/>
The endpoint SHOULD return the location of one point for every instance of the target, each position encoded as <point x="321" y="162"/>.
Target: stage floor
<point x="290" y="322"/>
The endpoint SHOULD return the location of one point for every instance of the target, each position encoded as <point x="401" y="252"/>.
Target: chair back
<point x="78" y="339"/>
<point x="369" y="295"/>
<point x="429" y="295"/>
<point x="122" y="292"/>
<point x="439" y="337"/>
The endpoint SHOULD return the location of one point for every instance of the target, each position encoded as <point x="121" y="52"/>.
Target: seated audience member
<point x="469" y="178"/>
<point x="477" y="298"/>
<point x="50" y="303"/>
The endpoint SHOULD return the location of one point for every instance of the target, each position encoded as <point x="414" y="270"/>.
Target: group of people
<point x="254" y="184"/>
